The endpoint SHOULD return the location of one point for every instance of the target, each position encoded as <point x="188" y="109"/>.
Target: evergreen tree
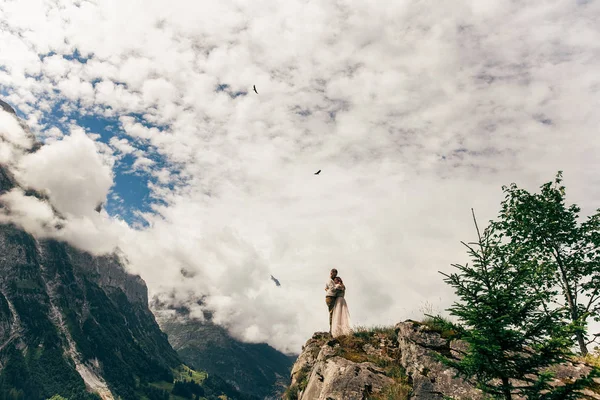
<point x="512" y="338"/>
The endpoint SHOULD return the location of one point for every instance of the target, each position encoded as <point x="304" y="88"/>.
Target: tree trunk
<point x="572" y="306"/>
<point x="506" y="389"/>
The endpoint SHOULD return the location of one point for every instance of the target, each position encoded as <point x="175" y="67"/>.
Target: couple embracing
<point x="339" y="317"/>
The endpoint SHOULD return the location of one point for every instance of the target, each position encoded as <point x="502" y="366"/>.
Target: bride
<point x="340" y="321"/>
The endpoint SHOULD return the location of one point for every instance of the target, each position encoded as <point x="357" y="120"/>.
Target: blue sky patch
<point x="130" y="193"/>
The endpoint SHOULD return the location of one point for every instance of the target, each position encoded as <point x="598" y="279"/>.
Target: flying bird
<point x="318" y="172"/>
<point x="275" y="280"/>
<point x="255" y="89"/>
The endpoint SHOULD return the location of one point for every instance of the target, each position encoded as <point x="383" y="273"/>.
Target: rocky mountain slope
<point x="73" y="324"/>
<point x="394" y="363"/>
<point x="70" y="321"/>
<point x="256" y="369"/>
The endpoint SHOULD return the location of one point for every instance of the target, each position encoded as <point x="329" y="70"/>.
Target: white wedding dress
<point x="340" y="321"/>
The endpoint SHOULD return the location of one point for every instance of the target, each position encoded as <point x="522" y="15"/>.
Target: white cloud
<point x="71" y="172"/>
<point x="163" y="176"/>
<point x="142" y="163"/>
<point x="74" y="195"/>
<point x="135" y="71"/>
<point x="34" y="215"/>
<point x="158" y="91"/>
<point x="53" y="132"/>
<point x="74" y="88"/>
<point x="414" y="111"/>
<point x="12" y="132"/>
<point x="122" y="145"/>
<point x="137" y="130"/>
<point x="56" y="67"/>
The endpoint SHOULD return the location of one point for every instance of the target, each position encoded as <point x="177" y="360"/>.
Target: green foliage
<point x="566" y="253"/>
<point x="33" y="312"/>
<point x="187" y="389"/>
<point x="41" y="374"/>
<point x="154" y="393"/>
<point x="214" y="387"/>
<point x="303" y="378"/>
<point x="352" y="347"/>
<point x="398" y="391"/>
<point x="254" y="367"/>
<point x="366" y="333"/>
<point x="301" y="382"/>
<point x="511" y="335"/>
<point x="591" y="359"/>
<point x="446" y="328"/>
<point x="572" y="390"/>
<point x="123" y="358"/>
<point x="291" y="393"/>
<point x="27" y="285"/>
<point x="15" y="394"/>
<point x="183" y="372"/>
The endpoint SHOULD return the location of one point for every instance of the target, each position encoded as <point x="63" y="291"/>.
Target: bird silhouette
<point x="255" y="89"/>
<point x="99" y="207"/>
<point x="275" y="280"/>
<point x="318" y="172"/>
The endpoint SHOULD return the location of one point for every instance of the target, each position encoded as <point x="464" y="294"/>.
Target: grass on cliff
<point x="446" y="328"/>
<point x="369" y="332"/>
<point x="378" y="345"/>
<point x="592" y="359"/>
<point x="301" y="382"/>
<point x="382" y="345"/>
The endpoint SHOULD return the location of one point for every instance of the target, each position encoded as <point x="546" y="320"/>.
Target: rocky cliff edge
<point x="390" y="363"/>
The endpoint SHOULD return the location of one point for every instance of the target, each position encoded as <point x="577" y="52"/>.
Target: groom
<point x="330" y="294"/>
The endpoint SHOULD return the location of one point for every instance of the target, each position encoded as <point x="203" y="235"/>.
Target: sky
<point x="415" y="111"/>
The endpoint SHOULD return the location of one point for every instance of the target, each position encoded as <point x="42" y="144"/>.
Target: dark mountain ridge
<point x="253" y="368"/>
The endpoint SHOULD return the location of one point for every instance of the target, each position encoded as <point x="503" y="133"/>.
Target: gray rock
<point x="308" y="357"/>
<point x="336" y="378"/>
<point x="324" y="374"/>
<point x="458" y="348"/>
<point x="431" y="379"/>
<point x="7" y="107"/>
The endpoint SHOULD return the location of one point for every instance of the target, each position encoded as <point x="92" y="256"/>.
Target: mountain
<point x="70" y="321"/>
<point x="255" y="369"/>
<point x="79" y="326"/>
<point x="6" y="107"/>
<point x="71" y="324"/>
<point x="398" y="363"/>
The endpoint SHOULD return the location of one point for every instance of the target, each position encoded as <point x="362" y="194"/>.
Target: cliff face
<point x="394" y="363"/>
<point x="79" y="326"/>
<point x="70" y="321"/>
